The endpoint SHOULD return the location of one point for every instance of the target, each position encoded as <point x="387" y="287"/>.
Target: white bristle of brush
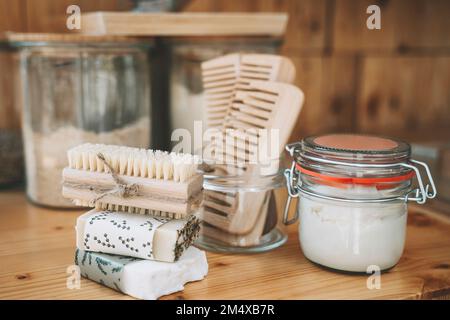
<point x="136" y="162"/>
<point x="122" y="208"/>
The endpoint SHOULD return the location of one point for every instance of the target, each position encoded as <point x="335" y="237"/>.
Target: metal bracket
<point x="293" y="183"/>
<point x="292" y="180"/>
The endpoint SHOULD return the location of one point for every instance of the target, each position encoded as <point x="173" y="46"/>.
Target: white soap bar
<point x="142" y="279"/>
<point x="135" y="235"/>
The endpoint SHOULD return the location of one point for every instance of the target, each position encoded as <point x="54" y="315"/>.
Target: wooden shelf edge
<point x="184" y="24"/>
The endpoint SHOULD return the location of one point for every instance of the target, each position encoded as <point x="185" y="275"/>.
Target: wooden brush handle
<point x="153" y="194"/>
<point x="147" y="187"/>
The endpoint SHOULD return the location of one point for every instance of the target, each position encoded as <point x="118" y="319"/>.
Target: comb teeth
<point x="135" y="162"/>
<point x="223" y="76"/>
<point x="254" y="109"/>
<point x="219" y="80"/>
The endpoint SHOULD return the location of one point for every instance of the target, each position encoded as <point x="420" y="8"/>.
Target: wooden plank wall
<point x="35" y="16"/>
<point x="389" y="81"/>
<point x="393" y="81"/>
<point x="50" y="15"/>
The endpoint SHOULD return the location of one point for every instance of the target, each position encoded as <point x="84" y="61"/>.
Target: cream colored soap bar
<point x="135" y="235"/>
<point x="142" y="279"/>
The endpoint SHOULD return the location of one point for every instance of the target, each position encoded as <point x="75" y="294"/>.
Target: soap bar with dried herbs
<point x="142" y="279"/>
<point x="136" y="235"/>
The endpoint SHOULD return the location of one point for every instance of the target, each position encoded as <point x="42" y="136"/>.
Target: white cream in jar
<point x="353" y="192"/>
<point x="351" y="236"/>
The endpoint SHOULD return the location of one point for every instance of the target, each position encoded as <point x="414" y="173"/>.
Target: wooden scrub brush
<point x="133" y="180"/>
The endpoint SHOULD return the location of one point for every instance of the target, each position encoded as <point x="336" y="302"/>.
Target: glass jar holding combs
<point x="241" y="211"/>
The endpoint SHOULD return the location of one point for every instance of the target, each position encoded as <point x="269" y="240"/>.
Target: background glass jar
<point x="78" y="89"/>
<point x="241" y="213"/>
<point x="352" y="193"/>
<point x="185" y="80"/>
<point x="11" y="154"/>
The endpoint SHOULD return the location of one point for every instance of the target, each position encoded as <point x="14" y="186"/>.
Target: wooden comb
<point x="266" y="105"/>
<point x="251" y="67"/>
<point x="224" y="75"/>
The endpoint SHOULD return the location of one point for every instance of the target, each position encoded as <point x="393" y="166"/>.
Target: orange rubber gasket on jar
<point x="354" y="180"/>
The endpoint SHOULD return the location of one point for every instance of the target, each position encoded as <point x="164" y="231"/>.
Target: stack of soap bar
<point x="143" y="279"/>
<point x="137" y="239"/>
<point x="136" y="235"/>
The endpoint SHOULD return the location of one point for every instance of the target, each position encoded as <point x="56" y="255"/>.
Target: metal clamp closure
<point x="422" y="193"/>
<point x="292" y="181"/>
<point x="425" y="190"/>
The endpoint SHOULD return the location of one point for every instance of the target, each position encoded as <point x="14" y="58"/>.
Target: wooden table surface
<point x="37" y="245"/>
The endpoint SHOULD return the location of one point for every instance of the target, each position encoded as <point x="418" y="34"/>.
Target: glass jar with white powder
<point x="76" y="89"/>
<point x="353" y="192"/>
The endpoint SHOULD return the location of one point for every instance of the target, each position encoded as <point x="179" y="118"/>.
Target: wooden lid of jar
<point x="355" y="142"/>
